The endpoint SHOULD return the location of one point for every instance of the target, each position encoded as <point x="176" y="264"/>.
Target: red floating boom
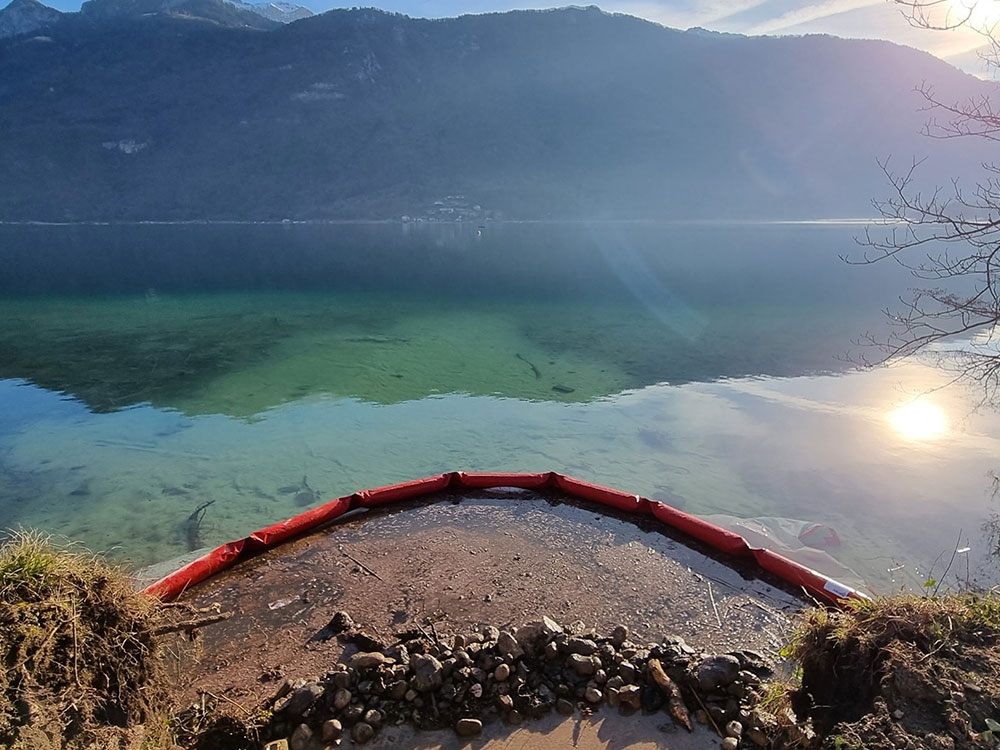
<point x="815" y="584"/>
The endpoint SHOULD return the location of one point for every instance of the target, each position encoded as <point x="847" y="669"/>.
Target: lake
<point x="148" y="369"/>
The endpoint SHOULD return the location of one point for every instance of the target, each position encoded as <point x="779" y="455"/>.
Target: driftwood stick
<point x="360" y="564"/>
<point x="675" y="702"/>
<point x="189" y="625"/>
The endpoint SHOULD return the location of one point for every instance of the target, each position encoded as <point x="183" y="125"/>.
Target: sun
<point x="979" y="15"/>
<point x="919" y="420"/>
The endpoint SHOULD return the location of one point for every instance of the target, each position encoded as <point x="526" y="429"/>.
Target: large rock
<point x="582" y="646"/>
<point x="299" y="701"/>
<point x="719" y="671"/>
<point x="535" y="635"/>
<point x="426" y="673"/>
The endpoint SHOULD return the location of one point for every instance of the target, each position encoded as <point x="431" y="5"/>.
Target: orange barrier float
<point x="814" y="583"/>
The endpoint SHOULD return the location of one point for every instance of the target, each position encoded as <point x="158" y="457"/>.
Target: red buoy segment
<point x="814" y="583"/>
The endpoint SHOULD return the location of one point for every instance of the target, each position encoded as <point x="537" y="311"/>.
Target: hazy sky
<point x="878" y="19"/>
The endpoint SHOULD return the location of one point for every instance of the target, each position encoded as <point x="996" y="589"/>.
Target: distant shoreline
<point x="845" y="221"/>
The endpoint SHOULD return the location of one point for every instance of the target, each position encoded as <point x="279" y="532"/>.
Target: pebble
<point x="341" y="699"/>
<point x="629" y="695"/>
<point x="619" y="635"/>
<point x="296" y="703"/>
<point x="353" y="714"/>
<point x="332" y="730"/>
<point x="300" y="737"/>
<point x="508" y="646"/>
<point x="340" y="623"/>
<point x="468" y="727"/>
<point x="536" y="634"/>
<point x="626" y="670"/>
<point x="582" y="665"/>
<point x="362" y="732"/>
<point x="593" y="695"/>
<point x="734" y="729"/>
<point x="501" y="673"/>
<point x="564" y="707"/>
<point x="367" y="660"/>
<point x="730" y="743"/>
<point x="397" y="690"/>
<point x="426" y="673"/>
<point x="339" y="679"/>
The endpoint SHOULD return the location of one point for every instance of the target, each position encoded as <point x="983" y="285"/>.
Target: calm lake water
<point x="145" y="370"/>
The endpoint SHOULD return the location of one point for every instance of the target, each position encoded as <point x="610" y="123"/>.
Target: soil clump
<point x="899" y="672"/>
<point x="81" y="666"/>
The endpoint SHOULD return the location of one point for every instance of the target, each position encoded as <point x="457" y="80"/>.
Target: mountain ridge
<point x="568" y="113"/>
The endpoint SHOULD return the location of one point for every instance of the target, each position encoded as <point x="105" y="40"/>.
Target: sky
<point x="865" y="19"/>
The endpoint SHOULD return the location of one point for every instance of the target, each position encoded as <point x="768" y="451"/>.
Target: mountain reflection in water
<point x="145" y="371"/>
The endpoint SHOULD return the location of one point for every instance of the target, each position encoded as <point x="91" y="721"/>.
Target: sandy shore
<point x="494" y="557"/>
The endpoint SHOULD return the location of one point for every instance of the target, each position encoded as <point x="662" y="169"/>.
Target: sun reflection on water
<point x="919" y="420"/>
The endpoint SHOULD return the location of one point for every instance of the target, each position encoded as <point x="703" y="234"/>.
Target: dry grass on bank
<point x="80" y="663"/>
<point x="902" y="671"/>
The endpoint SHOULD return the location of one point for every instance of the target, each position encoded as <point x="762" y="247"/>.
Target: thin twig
<point x="224" y="698"/>
<point x="710" y="719"/>
<point x="437" y="638"/>
<point x="954" y="552"/>
<point x="360" y="564"/>
<point x="76" y="646"/>
<point x="715" y="609"/>
<point x="426" y="634"/>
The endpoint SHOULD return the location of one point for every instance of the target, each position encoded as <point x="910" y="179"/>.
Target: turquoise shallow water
<point x="147" y="370"/>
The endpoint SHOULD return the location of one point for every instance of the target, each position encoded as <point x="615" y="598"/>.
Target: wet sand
<point x="491" y="557"/>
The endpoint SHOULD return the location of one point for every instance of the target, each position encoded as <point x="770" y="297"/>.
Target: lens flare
<point x="919" y="420"/>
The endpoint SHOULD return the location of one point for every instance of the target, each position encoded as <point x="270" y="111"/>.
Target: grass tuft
<point x="78" y="649"/>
